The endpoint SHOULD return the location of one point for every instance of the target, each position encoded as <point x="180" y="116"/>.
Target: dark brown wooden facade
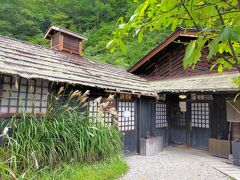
<point x="193" y="115"/>
<point x="169" y="64"/>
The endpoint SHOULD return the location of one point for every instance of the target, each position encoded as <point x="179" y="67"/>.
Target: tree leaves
<point x="140" y="35"/>
<point x="217" y="21"/>
<point x="193" y="52"/>
<point x="228" y="34"/>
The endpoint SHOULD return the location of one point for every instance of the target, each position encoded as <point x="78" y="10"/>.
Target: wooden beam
<point x="10" y="115"/>
<point x="60" y="41"/>
<point x="124" y="92"/>
<point x="80" y="47"/>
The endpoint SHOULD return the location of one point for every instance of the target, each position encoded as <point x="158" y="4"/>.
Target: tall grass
<point x="66" y="134"/>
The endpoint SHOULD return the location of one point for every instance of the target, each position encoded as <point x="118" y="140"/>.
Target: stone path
<point x="174" y="164"/>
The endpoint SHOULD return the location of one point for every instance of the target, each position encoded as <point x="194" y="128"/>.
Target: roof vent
<point x="65" y="40"/>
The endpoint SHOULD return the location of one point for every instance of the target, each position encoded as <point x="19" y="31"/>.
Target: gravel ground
<point x="171" y="164"/>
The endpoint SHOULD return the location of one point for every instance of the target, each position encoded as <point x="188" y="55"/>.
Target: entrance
<point x="178" y="125"/>
<point x="190" y="123"/>
<point x="200" y="124"/>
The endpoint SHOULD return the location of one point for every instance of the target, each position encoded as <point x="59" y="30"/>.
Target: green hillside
<point x="29" y="19"/>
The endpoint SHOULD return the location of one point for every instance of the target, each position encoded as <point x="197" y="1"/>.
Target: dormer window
<point x="65" y="40"/>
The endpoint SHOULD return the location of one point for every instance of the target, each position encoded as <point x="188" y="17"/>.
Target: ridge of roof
<point x="180" y="31"/>
<point x="66" y="31"/>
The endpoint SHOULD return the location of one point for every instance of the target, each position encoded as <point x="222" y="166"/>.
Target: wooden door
<point x="128" y="124"/>
<point x="200" y="124"/>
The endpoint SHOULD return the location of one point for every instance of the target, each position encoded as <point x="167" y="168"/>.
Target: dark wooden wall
<point x="169" y="63"/>
<point x="219" y="122"/>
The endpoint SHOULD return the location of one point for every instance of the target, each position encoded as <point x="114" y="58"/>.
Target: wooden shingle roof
<point x="202" y="83"/>
<point x="36" y="62"/>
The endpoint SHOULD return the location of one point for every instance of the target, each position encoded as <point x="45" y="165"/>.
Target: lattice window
<point x="200" y="115"/>
<point x="126" y="112"/>
<point x="161" y="115"/>
<point x="97" y="113"/>
<point x="20" y="95"/>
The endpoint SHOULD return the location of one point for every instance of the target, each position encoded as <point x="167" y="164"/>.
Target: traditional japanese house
<point x="191" y="107"/>
<point x="154" y="97"/>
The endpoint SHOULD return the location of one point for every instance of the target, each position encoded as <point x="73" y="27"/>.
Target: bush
<point x="65" y="135"/>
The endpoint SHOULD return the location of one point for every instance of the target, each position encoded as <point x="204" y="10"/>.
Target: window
<point x="161" y="115"/>
<point x="200" y="115"/>
<point x="19" y="95"/>
<point x="97" y="113"/>
<point x="126" y="112"/>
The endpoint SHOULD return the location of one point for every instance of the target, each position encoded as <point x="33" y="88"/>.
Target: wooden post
<point x="80" y="47"/>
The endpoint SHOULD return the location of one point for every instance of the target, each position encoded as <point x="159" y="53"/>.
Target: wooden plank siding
<point x="169" y="64"/>
<point x="71" y="44"/>
<point x="180" y="32"/>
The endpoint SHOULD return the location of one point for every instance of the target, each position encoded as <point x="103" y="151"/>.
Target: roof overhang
<point x="212" y="82"/>
<point x="179" y="32"/>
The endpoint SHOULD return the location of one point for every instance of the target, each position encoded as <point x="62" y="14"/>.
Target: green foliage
<point x="98" y="39"/>
<point x="217" y="23"/>
<point x="111" y="168"/>
<point x="65" y="134"/>
<point x="29" y="20"/>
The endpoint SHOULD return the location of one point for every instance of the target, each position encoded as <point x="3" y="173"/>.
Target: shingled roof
<point x="202" y="83"/>
<point x="36" y="62"/>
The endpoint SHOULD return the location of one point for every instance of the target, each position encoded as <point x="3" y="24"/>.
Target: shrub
<point x="66" y="134"/>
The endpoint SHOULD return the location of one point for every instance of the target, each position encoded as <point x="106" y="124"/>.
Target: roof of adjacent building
<point x="205" y="83"/>
<point x="179" y="32"/>
<point x="36" y="62"/>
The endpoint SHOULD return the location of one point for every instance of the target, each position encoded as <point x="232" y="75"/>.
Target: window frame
<point x="204" y="114"/>
<point x="105" y="116"/>
<point x="130" y="122"/>
<point x="36" y="83"/>
<point x="161" y="115"/>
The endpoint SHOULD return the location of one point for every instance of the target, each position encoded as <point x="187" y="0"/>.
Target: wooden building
<point x="154" y="97"/>
<point x="193" y="101"/>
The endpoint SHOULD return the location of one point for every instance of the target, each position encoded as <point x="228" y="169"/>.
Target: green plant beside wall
<point x="64" y="135"/>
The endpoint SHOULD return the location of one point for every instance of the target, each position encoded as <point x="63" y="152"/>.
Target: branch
<point x="195" y="24"/>
<point x="225" y="59"/>
<point x="230" y="5"/>
<point x="229" y="42"/>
